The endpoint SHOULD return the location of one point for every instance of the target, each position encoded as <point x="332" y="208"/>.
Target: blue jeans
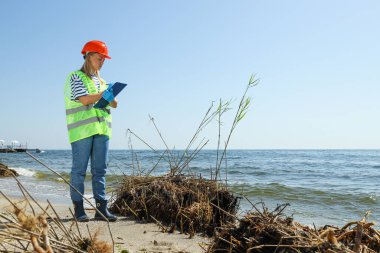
<point x="96" y="147"/>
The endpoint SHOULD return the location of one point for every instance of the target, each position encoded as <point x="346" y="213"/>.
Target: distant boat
<point x="38" y="150"/>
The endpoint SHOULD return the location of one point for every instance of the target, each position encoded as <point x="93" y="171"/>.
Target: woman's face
<point x="96" y="61"/>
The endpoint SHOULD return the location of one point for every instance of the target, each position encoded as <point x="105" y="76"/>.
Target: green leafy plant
<point x="240" y="114"/>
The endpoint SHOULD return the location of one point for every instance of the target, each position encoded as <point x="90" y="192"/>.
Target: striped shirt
<point x="77" y="86"/>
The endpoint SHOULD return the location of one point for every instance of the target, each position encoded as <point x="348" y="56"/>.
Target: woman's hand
<point x="113" y="104"/>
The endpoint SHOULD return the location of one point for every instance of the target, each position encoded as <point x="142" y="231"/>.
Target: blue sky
<point x="317" y="61"/>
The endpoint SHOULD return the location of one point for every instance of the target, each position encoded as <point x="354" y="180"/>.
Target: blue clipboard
<point x="116" y="88"/>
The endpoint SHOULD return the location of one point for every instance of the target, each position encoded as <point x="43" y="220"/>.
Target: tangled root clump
<point x="188" y="203"/>
<point x="274" y="232"/>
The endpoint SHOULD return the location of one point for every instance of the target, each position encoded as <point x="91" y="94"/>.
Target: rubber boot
<point x="79" y="212"/>
<point x="101" y="205"/>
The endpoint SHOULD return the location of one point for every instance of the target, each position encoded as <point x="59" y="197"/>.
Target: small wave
<point x="372" y="198"/>
<point x="258" y="173"/>
<point x="306" y="195"/>
<point x="25" y="172"/>
<point x="234" y="172"/>
<point x="376" y="167"/>
<point x="46" y="176"/>
<point x="52" y="177"/>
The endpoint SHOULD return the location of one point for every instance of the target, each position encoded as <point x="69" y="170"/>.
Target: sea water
<point x="322" y="186"/>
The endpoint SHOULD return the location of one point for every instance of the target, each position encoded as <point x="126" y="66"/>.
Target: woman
<point x="89" y="128"/>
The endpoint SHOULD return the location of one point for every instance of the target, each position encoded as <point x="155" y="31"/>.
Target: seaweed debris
<point x="264" y="231"/>
<point x="5" y="171"/>
<point x="189" y="204"/>
<point x="22" y="231"/>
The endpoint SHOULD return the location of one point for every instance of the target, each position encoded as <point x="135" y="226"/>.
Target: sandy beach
<point x="127" y="233"/>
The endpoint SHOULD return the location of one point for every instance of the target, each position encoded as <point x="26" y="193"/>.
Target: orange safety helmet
<point x="96" y="46"/>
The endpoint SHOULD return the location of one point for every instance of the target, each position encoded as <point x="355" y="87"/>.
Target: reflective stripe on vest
<point x="85" y="107"/>
<point x="78" y="109"/>
<point x="84" y="121"/>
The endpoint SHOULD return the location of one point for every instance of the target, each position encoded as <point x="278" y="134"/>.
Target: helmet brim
<point x="105" y="56"/>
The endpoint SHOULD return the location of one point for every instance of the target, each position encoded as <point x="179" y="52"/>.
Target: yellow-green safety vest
<point x="84" y="120"/>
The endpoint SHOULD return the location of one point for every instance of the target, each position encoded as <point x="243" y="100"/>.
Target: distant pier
<point x="14" y="147"/>
<point x="12" y="150"/>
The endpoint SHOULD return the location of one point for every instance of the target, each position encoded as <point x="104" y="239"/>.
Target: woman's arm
<point x="93" y="98"/>
<point x="90" y="99"/>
